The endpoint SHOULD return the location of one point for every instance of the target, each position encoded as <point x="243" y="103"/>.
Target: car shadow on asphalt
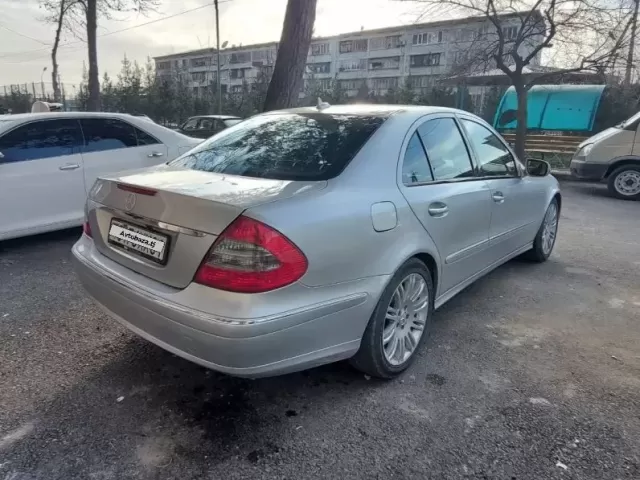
<point x="144" y="407"/>
<point x="41" y="241"/>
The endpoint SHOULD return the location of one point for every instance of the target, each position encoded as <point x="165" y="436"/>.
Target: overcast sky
<point x="241" y="21"/>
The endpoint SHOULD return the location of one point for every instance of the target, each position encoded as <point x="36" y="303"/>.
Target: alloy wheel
<point x="405" y="319"/>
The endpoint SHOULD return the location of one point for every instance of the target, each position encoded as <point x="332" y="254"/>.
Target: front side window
<point x="415" y="167"/>
<point x="38" y="140"/>
<point x="493" y="156"/>
<point x="446" y="150"/>
<point x="102" y="134"/>
<point x="304" y="146"/>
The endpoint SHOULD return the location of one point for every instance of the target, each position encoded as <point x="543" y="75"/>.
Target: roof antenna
<point x="322" y="105"/>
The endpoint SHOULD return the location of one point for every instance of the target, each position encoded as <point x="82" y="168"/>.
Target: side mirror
<point x="538" y="168"/>
<point x="1" y="156"/>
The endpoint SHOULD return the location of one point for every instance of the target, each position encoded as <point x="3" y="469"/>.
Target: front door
<point x="453" y="205"/>
<point x="113" y="145"/>
<point x="41" y="177"/>
<point x="515" y="198"/>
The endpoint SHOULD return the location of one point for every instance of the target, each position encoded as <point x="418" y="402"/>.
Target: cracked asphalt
<point x="531" y="373"/>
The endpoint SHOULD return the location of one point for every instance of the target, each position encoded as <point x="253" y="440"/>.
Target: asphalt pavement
<point x="531" y="373"/>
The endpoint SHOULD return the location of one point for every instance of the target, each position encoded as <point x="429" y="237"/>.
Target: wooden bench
<point x="554" y="146"/>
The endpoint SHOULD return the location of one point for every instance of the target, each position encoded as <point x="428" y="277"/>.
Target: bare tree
<point x="58" y="14"/>
<point x="286" y="81"/>
<point x="513" y="36"/>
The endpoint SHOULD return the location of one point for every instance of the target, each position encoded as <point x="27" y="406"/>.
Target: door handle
<point x="69" y="166"/>
<point x="155" y="154"/>
<point x="498" y="197"/>
<point x="438" y="209"/>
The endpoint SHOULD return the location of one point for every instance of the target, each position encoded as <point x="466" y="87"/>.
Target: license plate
<point x="143" y="242"/>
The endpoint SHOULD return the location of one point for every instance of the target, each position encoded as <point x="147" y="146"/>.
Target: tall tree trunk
<point x="286" y="81"/>
<point x="632" y="41"/>
<point x="521" y="118"/>
<point x="54" y="53"/>
<point x="93" y="102"/>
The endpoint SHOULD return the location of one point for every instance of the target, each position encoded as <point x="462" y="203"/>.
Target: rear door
<point x="453" y="205"/>
<point x="516" y="200"/>
<point x="112" y="145"/>
<point x="41" y="177"/>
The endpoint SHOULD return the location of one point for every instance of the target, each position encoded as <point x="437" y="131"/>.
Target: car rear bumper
<point x="588" y="170"/>
<point x="291" y="341"/>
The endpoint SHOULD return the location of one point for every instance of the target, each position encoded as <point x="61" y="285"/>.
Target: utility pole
<point x="218" y="80"/>
<point x="632" y="41"/>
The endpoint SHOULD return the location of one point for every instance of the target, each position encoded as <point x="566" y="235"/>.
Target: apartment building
<point x="416" y="55"/>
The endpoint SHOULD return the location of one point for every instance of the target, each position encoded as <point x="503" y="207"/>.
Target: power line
<point x="104" y="34"/>
<point x="23" y="35"/>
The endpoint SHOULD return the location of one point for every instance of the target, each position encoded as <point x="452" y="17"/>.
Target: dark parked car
<point x="207" y="125"/>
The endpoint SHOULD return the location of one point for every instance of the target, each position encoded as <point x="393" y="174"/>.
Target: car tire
<point x="541" y="250"/>
<point x="372" y="357"/>
<point x="617" y="178"/>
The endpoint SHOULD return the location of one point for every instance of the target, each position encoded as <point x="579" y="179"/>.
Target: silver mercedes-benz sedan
<point x="301" y="237"/>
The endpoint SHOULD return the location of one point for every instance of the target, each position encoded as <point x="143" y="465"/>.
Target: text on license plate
<point x="142" y="241"/>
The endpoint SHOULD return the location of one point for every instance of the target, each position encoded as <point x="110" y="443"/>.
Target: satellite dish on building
<point x="224" y="44"/>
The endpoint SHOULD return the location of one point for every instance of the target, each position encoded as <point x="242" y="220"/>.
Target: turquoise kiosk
<point x="559" y="109"/>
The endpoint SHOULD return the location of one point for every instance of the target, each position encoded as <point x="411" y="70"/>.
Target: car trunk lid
<point x="161" y="222"/>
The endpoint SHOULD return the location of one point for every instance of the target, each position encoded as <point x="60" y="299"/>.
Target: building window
<point x="461" y="58"/>
<point x="386" y="63"/>
<point x="427" y="60"/>
<point x="198" y="76"/>
<point x="355" y="84"/>
<point x="351" y="65"/>
<point x="320" y="49"/>
<point x="347" y="46"/>
<point x="483" y="31"/>
<point x="163" y="66"/>
<point x="428" y="38"/>
<point x="421" y="81"/>
<point x="236" y="73"/>
<point x="235" y="88"/>
<point x="240" y="57"/>
<point x="184" y="63"/>
<point x="385" y="43"/>
<point x="510" y="33"/>
<point x="200" y="62"/>
<point x="384" y="83"/>
<point x="322" y="84"/>
<point x="324" y="67"/>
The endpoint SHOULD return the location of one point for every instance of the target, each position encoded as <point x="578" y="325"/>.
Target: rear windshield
<point x="286" y="146"/>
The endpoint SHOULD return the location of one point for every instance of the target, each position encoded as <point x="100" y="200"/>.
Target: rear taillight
<point x="86" y="228"/>
<point x="251" y="257"/>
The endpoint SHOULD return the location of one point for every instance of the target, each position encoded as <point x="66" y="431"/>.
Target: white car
<point x="49" y="161"/>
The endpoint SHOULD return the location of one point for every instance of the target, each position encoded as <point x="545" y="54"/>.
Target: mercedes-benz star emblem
<point x="130" y="202"/>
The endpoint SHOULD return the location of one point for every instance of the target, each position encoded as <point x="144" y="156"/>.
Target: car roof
<point x="371" y="109"/>
<point x="44" y="115"/>
<point x="221" y="117"/>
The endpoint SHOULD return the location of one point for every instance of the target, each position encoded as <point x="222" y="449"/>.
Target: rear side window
<point x="415" y="167"/>
<point x="44" y="139"/>
<point x="230" y="122"/>
<point x="107" y="134"/>
<point x="288" y="146"/>
<point x="448" y="155"/>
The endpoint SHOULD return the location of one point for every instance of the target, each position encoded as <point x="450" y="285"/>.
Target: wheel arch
<point x="621" y="163"/>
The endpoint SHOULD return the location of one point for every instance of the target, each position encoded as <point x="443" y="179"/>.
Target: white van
<point x="612" y="155"/>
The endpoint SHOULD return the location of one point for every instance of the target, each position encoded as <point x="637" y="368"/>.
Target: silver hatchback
<point x="306" y="236"/>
